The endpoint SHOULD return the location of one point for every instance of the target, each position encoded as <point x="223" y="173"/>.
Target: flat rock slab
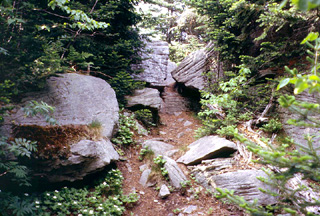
<point x="86" y="157"/>
<point x="207" y="148"/>
<point x="245" y="183"/>
<point x="78" y="100"/>
<point x="158" y="147"/>
<point x="146" y="97"/>
<point x="176" y="175"/>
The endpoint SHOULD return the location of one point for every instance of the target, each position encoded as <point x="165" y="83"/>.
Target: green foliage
<point x="145" y="116"/>
<point x="33" y="108"/>
<point x="255" y="33"/>
<point x="125" y="134"/>
<point x="273" y="126"/>
<point x="106" y="199"/>
<point x="95" y="124"/>
<point x="233" y="102"/>
<point x="160" y="162"/>
<point x="227" y="131"/>
<point x="178" y="51"/>
<point x="288" y="163"/>
<point x="145" y="152"/>
<point x="41" y="38"/>
<point x="5" y="95"/>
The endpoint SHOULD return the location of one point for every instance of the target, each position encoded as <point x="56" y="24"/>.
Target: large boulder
<point x="155" y="64"/>
<point x="206" y="148"/>
<point x="78" y="100"/>
<point x="145" y="98"/>
<point x="86" y="157"/>
<point x="296" y="132"/>
<point x="70" y="154"/>
<point x="190" y="71"/>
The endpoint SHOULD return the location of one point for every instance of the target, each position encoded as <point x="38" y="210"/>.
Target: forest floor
<point x="178" y="130"/>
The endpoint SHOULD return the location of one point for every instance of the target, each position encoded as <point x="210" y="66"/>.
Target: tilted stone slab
<point x="244" y="183"/>
<point x="206" y="148"/>
<point x="176" y="175"/>
<point x="190" y="70"/>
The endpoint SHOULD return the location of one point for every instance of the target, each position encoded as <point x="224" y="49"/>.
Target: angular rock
<point x="206" y="148"/>
<point x="158" y="147"/>
<point x="144" y="177"/>
<point x="190" y="70"/>
<point x="164" y="191"/>
<point x="78" y="100"/>
<point x="146" y="97"/>
<point x="141" y="130"/>
<point x="176" y="175"/>
<point x="187" y="123"/>
<point x="155" y="64"/>
<point x="86" y="157"/>
<point x="173" y="102"/>
<point x="245" y="183"/>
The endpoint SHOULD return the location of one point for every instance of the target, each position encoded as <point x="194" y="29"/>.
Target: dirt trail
<point x="178" y="130"/>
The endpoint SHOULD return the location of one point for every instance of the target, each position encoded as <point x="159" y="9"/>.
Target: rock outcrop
<point x="244" y="183"/>
<point x="298" y="133"/>
<point x="190" y="70"/>
<point x="156" y="65"/>
<point x="206" y="148"/>
<point x="86" y="157"/>
<point x="78" y="100"/>
<point x="173" y="102"/>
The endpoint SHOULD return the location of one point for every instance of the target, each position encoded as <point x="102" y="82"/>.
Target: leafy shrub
<point x="160" y="162"/>
<point x="227" y="131"/>
<point x="145" y="116"/>
<point x="125" y="134"/>
<point x="106" y="199"/>
<point x="272" y="126"/>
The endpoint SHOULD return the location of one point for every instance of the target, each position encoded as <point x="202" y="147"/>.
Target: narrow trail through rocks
<point x="176" y="129"/>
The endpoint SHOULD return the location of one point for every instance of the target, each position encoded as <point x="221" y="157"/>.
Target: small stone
<point x="188" y="130"/>
<point x="164" y="191"/>
<point x="144" y="177"/>
<point x="190" y="209"/>
<point x="143" y="167"/>
<point x="156" y="201"/>
<point x="162" y="133"/>
<point x="181" y="134"/>
<point x="141" y="192"/>
<point x="177" y="113"/>
<point x="180" y="119"/>
<point x="129" y="167"/>
<point x="187" y="123"/>
<point x="170" y="214"/>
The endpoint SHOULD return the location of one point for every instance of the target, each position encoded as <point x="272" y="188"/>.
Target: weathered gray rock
<point x="190" y="70"/>
<point x="78" y="100"/>
<point x="176" y="175"/>
<point x="298" y="133"/>
<point x="164" y="191"/>
<point x="86" y="157"/>
<point x="187" y="123"/>
<point x="190" y="209"/>
<point x="141" y="130"/>
<point x="155" y="64"/>
<point x="206" y="148"/>
<point x="158" y="147"/>
<point x="146" y="97"/>
<point x="144" y="177"/>
<point x="244" y="183"/>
